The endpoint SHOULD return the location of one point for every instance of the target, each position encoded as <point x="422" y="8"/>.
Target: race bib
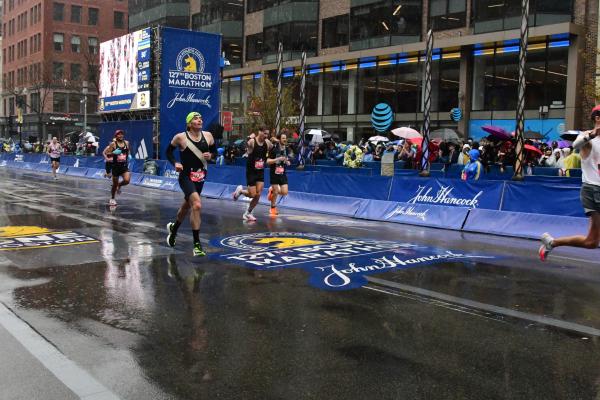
<point x="279" y="170"/>
<point x="259" y="164"/>
<point x="121" y="157"/>
<point x="197" y="176"/>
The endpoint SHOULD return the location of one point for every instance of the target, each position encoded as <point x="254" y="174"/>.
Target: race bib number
<point x="259" y="164"/>
<point x="121" y="157"/>
<point x="197" y="176"/>
<point x="279" y="170"/>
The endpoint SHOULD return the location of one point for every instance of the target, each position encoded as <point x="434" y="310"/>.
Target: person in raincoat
<point x="472" y="171"/>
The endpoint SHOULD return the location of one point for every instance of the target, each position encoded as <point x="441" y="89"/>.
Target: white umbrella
<point x="406" y="133"/>
<point x="445" y="134"/>
<point x="376" y="139"/>
<point x="317" y="135"/>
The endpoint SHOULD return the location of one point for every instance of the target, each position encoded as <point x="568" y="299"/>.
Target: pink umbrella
<point x="497" y="132"/>
<point x="406" y="133"/>
<point x="534" y="149"/>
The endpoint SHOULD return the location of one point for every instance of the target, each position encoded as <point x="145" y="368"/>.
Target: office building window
<point x="295" y="37"/>
<point x="93" y="45"/>
<point x="75" y="44"/>
<point x="447" y="14"/>
<point x="494" y="15"/>
<point x="75" y="72"/>
<point x="58" y="11"/>
<point x="254" y="46"/>
<point x="119" y="20"/>
<point x="58" y="70"/>
<point x="59" y="102"/>
<point x="336" y="31"/>
<point x="92" y="16"/>
<point x="76" y="14"/>
<point x="59" y="41"/>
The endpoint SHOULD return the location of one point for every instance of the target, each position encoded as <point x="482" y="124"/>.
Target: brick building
<point x="49" y="49"/>
<point x="362" y="52"/>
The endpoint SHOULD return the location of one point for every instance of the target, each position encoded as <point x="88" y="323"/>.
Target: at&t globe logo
<point x="382" y="117"/>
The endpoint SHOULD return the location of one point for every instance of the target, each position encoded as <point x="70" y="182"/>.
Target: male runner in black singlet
<point x="119" y="151"/>
<point x="258" y="148"/>
<point x="278" y="162"/>
<point x="192" y="174"/>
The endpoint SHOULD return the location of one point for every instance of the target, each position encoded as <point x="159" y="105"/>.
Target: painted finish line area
<point x="348" y="302"/>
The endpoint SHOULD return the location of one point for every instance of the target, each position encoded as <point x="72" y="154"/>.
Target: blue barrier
<point x="547" y="171"/>
<point x="159" y="182"/>
<point x="549" y="199"/>
<point x="95" y="173"/>
<point x="322" y="203"/>
<point x="413" y="214"/>
<point x="523" y="225"/>
<point x="76" y="171"/>
<point x="447" y="192"/>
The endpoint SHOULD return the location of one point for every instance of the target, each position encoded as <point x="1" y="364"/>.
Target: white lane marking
<point x="557" y="323"/>
<point x="70" y="374"/>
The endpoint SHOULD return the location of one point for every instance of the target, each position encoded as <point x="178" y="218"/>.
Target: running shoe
<point x="546" y="246"/>
<point x="112" y="202"/>
<point x="274" y="212"/>
<point x="198" y="251"/>
<point x="238" y="192"/>
<point x="249" y="217"/>
<point x="270" y="195"/>
<point x="171" y="237"/>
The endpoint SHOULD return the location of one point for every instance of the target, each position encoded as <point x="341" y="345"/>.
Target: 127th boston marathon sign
<point x="334" y="263"/>
<point x="190" y="80"/>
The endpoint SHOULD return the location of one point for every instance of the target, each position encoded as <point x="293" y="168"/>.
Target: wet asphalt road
<point x="148" y="322"/>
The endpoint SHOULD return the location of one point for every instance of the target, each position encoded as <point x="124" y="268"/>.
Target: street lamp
<point x="84" y="90"/>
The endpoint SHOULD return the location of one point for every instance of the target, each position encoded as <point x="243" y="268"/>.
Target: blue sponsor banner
<point x="123" y="102"/>
<point x="333" y="263"/>
<point x="414" y="214"/>
<point x="447" y="192"/>
<point x="137" y="133"/>
<point x="543" y="198"/>
<point x="159" y="182"/>
<point x="190" y="81"/>
<point x="347" y="206"/>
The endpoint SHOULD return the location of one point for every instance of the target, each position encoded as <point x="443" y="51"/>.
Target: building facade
<point x="364" y="52"/>
<point x="49" y="49"/>
<point x="146" y="13"/>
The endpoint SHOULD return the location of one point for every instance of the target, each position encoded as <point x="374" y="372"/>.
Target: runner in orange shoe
<point x="278" y="162"/>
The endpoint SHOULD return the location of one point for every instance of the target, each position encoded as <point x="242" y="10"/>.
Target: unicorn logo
<point x="190" y="64"/>
<point x="190" y="60"/>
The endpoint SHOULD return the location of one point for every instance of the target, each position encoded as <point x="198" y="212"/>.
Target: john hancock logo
<point x="189" y="74"/>
<point x="334" y="263"/>
<point x="35" y="237"/>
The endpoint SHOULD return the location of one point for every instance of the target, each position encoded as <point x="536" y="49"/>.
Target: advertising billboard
<point x="125" y="72"/>
<point x="190" y="81"/>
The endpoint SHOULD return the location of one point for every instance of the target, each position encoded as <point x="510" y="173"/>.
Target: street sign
<point x="227" y="120"/>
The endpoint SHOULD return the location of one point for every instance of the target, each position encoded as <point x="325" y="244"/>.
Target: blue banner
<point x="190" y="81"/>
<point x="543" y="198"/>
<point x="137" y="133"/>
<point x="447" y="192"/>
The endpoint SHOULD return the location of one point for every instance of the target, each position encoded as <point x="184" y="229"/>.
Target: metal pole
<point x="520" y="147"/>
<point x="302" y="93"/>
<point x="424" y="167"/>
<point x="279" y="88"/>
<point x="85" y="92"/>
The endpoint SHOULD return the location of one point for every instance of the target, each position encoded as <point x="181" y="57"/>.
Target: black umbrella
<point x="570" y="135"/>
<point x="532" y="135"/>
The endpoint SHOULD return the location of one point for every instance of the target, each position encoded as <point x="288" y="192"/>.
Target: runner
<point x="195" y="148"/>
<point x="119" y="151"/>
<point x="54" y="150"/>
<point x="278" y="161"/>
<point x="589" y="145"/>
<point x="258" y="148"/>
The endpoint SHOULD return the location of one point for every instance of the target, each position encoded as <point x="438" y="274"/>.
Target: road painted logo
<point x="334" y="263"/>
<point x="35" y="237"/>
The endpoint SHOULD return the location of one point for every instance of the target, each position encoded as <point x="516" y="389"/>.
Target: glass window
<point x="76" y="14"/>
<point x="235" y="97"/>
<point x="34" y="100"/>
<point x="536" y="79"/>
<point x="312" y="92"/>
<point x="74" y="103"/>
<point x="75" y="72"/>
<point x="556" y="80"/>
<point x="553" y="12"/>
<point x="119" y="19"/>
<point x="336" y="31"/>
<point x="295" y="37"/>
<point x="59" y="102"/>
<point x="59" y="41"/>
<point x="233" y="51"/>
<point x="75" y="44"/>
<point x="58" y="70"/>
<point x="93" y="45"/>
<point x="92" y="16"/>
<point x="386" y="85"/>
<point x="496" y="15"/>
<point x="447" y="14"/>
<point x="367" y="89"/>
<point x="58" y="11"/>
<point x="254" y="45"/>
<point x="408" y="85"/>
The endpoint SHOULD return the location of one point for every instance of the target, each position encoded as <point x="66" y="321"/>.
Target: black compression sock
<point x="176" y="226"/>
<point x="196" y="236"/>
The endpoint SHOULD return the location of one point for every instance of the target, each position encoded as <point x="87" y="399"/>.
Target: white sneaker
<point x="238" y="192"/>
<point x="546" y="246"/>
<point x="249" y="217"/>
<point x="112" y="202"/>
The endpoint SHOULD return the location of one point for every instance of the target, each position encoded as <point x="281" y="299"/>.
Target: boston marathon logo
<point x="334" y="263"/>
<point x="189" y="74"/>
<point x="35" y="237"/>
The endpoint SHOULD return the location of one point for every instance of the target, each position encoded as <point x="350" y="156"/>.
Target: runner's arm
<point x="171" y="149"/>
<point x="582" y="143"/>
<point x="109" y="149"/>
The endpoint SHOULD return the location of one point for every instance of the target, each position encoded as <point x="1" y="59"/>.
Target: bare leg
<point x="195" y="205"/>
<point x="274" y="193"/>
<point x="115" y="185"/>
<point x="125" y="180"/>
<point x="183" y="211"/>
<point x="590" y="241"/>
<point x="256" y="195"/>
